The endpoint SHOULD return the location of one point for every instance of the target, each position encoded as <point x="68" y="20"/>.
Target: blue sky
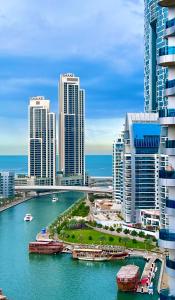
<point x="101" y="41"/>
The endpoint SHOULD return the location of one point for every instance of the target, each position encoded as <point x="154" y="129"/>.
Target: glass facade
<point x="154" y="75"/>
<point x="71" y="127"/>
<point x="42" y="141"/>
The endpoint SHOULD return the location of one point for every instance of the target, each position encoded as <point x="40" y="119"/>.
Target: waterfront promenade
<point x="14" y="203"/>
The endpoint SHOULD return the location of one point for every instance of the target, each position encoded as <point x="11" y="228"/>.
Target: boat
<point x="99" y="253"/>
<point x="28" y="218"/>
<point x="45" y="247"/>
<point x="54" y="199"/>
<point x="2" y="297"/>
<point x="128" y="278"/>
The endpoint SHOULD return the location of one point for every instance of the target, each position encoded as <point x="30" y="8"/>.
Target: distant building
<point x="140" y="165"/>
<point x="6" y="184"/>
<point x="118" y="169"/>
<point x="71" y="127"/>
<point x="42" y="141"/>
<point x="154" y="75"/>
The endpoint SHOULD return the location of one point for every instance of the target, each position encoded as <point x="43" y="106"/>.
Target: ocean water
<point x="96" y="165"/>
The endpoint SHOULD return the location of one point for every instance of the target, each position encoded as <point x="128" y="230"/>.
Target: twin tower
<point x="42" y="145"/>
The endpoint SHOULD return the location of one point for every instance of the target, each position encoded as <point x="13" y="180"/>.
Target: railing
<point x="164" y="174"/>
<point x="170" y="23"/>
<point x="170" y="144"/>
<point x="166" y="113"/>
<point x="166" y="235"/>
<point x="167" y="51"/>
<point x="170" y="263"/>
<point x="170" y="203"/>
<point x="170" y="84"/>
<point x="166" y="295"/>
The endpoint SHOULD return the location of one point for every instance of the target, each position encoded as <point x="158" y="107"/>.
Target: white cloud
<point x="100" y="134"/>
<point x="93" y="29"/>
<point x="16" y="84"/>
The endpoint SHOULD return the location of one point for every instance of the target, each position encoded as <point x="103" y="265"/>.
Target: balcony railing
<point x="170" y="84"/>
<point x="166" y="113"/>
<point x="170" y="203"/>
<point x="166" y="295"/>
<point x="164" y="174"/>
<point x="166" y="235"/>
<point x="170" y="144"/>
<point x="167" y="51"/>
<point x="170" y="23"/>
<point x="170" y="263"/>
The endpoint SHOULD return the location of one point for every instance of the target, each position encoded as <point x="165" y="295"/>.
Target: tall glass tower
<point x="154" y="75"/>
<point x="42" y="141"/>
<point x="71" y="127"/>
<point x="166" y="59"/>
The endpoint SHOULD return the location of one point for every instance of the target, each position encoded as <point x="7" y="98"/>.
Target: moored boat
<point x="45" y="247"/>
<point x="99" y="254"/>
<point x="128" y="278"/>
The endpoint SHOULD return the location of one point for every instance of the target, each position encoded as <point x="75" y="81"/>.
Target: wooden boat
<point x="45" y="247"/>
<point x="99" y="254"/>
<point x="128" y="278"/>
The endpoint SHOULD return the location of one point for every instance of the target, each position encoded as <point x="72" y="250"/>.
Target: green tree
<point x="134" y="233"/>
<point x="111" y="239"/>
<point x="126" y="231"/>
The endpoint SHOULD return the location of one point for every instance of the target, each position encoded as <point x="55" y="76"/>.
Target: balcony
<point x="166" y="295"/>
<point x="170" y="267"/>
<point x="166" y="56"/>
<point x="169" y="147"/>
<point x="166" y="239"/>
<point x="167" y="178"/>
<point x="167" y="3"/>
<point x="170" y="28"/>
<point x="170" y="88"/>
<point x="170" y="207"/>
<point x="167" y="116"/>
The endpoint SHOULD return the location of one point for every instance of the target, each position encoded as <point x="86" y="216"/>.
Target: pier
<point x="146" y="284"/>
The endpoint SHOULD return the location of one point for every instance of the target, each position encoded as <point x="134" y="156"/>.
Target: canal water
<point x="55" y="277"/>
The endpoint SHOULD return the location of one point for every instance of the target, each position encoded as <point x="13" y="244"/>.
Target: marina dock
<point x="146" y="284"/>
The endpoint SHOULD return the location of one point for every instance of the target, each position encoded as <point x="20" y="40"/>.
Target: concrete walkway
<point x="14" y="203"/>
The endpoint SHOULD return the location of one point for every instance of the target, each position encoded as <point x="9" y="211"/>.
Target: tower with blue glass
<point x="154" y="75"/>
<point x="166" y="59"/>
<point x="71" y="127"/>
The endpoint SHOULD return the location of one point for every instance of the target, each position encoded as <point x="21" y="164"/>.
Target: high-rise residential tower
<point x="140" y="165"/>
<point x="166" y="59"/>
<point x="42" y="141"/>
<point x="154" y="75"/>
<point x="71" y="127"/>
<point x="118" y="169"/>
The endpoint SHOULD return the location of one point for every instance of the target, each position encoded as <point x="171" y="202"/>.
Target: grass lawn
<point x="90" y="236"/>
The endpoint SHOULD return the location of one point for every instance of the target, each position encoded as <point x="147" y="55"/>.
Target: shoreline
<point x="15" y="203"/>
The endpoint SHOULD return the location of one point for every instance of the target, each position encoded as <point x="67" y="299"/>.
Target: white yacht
<point x="54" y="199"/>
<point x="28" y="218"/>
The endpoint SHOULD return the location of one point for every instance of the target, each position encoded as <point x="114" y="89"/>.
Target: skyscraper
<point x="166" y="59"/>
<point x="42" y="141"/>
<point x="154" y="75"/>
<point x="71" y="126"/>
<point x="140" y="165"/>
<point x="118" y="169"/>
